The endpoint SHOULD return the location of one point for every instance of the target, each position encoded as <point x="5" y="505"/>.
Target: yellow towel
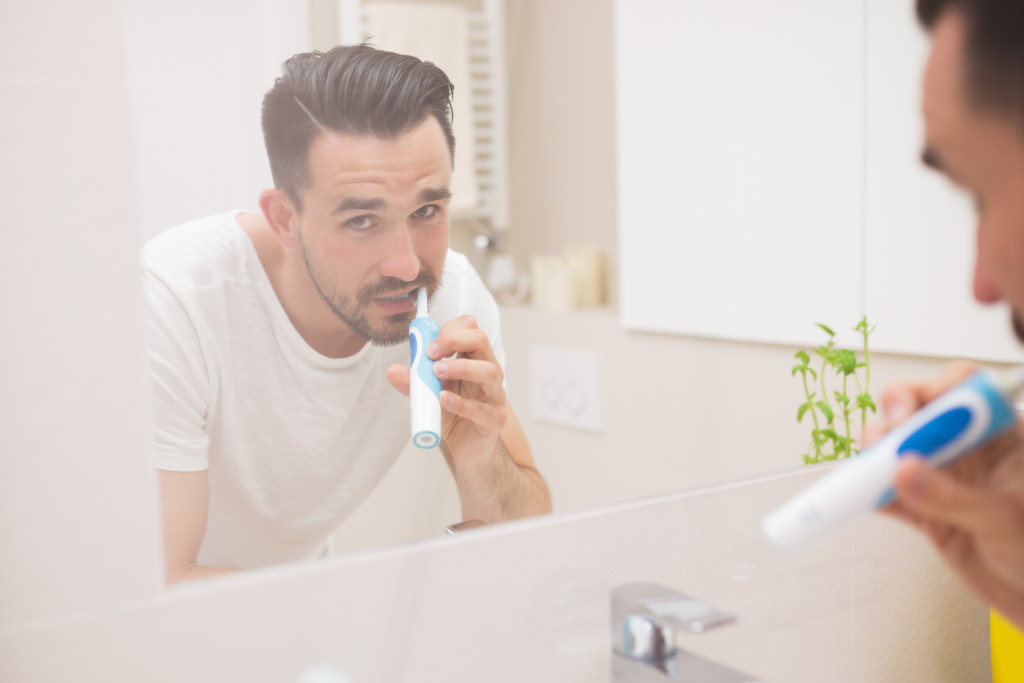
<point x="1007" y="651"/>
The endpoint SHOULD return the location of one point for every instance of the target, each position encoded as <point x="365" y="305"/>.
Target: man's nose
<point x="400" y="261"/>
<point x="986" y="290"/>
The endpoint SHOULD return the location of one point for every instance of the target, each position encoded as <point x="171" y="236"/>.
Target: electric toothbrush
<point x="941" y="432"/>
<point x="424" y="386"/>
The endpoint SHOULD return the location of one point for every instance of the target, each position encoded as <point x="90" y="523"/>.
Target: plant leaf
<point x="827" y="329"/>
<point x="802" y="355"/>
<point x="826" y="410"/>
<point x="864" y="401"/>
<point x="802" y="410"/>
<point x="846" y="361"/>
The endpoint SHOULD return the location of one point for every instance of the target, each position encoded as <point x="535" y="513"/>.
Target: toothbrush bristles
<point x="421" y="302"/>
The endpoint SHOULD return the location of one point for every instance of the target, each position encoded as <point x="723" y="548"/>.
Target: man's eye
<point x="361" y="222"/>
<point x="425" y="211"/>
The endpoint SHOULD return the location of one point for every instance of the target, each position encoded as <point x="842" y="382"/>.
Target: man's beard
<point x="396" y="328"/>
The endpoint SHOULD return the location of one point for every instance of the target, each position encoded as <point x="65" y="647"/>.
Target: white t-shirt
<point x="293" y="440"/>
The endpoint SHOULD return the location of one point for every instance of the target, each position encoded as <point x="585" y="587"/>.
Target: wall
<point x="561" y="128"/>
<point x="78" y="514"/>
<point x="679" y="411"/>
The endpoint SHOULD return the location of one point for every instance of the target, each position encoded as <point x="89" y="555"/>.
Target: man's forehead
<point x="944" y="70"/>
<point x="420" y="155"/>
<point x="944" y="104"/>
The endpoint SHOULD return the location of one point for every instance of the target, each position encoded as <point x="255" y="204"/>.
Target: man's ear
<point x="281" y="216"/>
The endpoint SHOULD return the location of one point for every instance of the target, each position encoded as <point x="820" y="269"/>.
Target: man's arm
<point x="185" y="501"/>
<point x="972" y="511"/>
<point x="482" y="440"/>
<point x="504" y="486"/>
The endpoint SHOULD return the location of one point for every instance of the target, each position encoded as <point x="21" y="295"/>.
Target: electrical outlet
<point x="565" y="388"/>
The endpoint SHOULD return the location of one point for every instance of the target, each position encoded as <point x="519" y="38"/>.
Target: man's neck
<point x="311" y="317"/>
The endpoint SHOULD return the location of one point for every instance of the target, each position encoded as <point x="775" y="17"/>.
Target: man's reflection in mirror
<point x="278" y="340"/>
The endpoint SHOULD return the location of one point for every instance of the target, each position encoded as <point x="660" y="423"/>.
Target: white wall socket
<point x="565" y="388"/>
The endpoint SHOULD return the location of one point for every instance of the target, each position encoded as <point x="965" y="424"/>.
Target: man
<point x="273" y="336"/>
<point x="973" y="106"/>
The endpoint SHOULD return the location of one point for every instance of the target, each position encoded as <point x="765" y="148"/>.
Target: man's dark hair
<point x="994" y="50"/>
<point x="351" y="90"/>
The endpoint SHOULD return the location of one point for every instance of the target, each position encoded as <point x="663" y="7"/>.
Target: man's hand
<point x="481" y="437"/>
<point x="973" y="510"/>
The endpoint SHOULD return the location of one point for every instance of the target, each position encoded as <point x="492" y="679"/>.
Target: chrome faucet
<point x="646" y="617"/>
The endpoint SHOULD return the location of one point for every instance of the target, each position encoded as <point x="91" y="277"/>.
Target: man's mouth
<point x="397" y="304"/>
<point x="398" y="297"/>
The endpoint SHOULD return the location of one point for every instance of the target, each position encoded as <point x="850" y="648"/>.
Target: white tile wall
<point x="77" y="497"/>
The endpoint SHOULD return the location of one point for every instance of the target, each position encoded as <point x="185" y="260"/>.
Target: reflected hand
<point x="971" y="511"/>
<point x="481" y="437"/>
<point x="472" y="396"/>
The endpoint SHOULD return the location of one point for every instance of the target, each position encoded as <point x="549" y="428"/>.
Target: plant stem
<point x="867" y="377"/>
<point x="814" y="415"/>
<point x="824" y="391"/>
<point x="846" y="417"/>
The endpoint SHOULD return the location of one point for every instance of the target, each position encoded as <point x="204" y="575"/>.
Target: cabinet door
<point x="919" y="230"/>
<point x="740" y="155"/>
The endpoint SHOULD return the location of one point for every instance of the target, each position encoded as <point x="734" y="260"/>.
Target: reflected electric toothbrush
<point x="424" y="386"/>
<point x="941" y="432"/>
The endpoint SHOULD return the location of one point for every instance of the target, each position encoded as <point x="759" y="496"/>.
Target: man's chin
<point x="393" y="332"/>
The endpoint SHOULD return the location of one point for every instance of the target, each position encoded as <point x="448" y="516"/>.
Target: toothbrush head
<point x="421" y="302"/>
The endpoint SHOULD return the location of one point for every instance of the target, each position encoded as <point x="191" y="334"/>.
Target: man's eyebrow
<point x="931" y="159"/>
<point x="358" y="204"/>
<point x="435" y="194"/>
<point x="431" y="194"/>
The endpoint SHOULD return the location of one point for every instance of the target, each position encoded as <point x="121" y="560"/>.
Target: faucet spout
<point x="646" y="617"/>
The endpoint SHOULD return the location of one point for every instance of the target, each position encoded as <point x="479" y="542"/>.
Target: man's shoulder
<point x="201" y="251"/>
<point x="459" y="273"/>
<point x="462" y="291"/>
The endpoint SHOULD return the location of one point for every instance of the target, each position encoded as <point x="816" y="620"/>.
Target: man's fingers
<point x="487" y="376"/>
<point x="398" y="376"/>
<point x="900" y="401"/>
<point x="486" y="417"/>
<point x="462" y="336"/>
<point x="936" y="496"/>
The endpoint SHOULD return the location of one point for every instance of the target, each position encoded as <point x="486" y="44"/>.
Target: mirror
<point x="679" y="411"/>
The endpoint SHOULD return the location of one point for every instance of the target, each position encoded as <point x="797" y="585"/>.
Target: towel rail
<point x="488" y="92"/>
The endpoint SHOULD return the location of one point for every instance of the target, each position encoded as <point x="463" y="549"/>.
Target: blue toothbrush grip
<point x="422" y="332"/>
